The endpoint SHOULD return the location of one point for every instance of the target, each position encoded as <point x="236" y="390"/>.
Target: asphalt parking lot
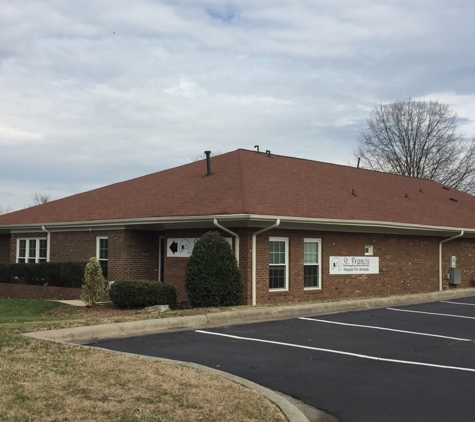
<point x="405" y="363"/>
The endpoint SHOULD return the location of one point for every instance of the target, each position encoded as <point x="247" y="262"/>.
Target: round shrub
<point x="141" y="293"/>
<point x="213" y="277"/>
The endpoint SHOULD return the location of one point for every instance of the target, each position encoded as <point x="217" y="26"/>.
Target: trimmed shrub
<point x="93" y="287"/>
<point x="58" y="274"/>
<point x="213" y="277"/>
<point x="71" y="274"/>
<point x="141" y="293"/>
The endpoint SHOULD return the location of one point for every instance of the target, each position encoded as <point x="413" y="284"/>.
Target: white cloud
<point x="98" y="91"/>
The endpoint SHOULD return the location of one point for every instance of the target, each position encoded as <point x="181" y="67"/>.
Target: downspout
<point x="236" y="238"/>
<point x="440" y="257"/>
<point x="48" y="243"/>
<point x="254" y="259"/>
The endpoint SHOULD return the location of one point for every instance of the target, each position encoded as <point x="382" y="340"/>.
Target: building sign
<point x="354" y="265"/>
<point x="183" y="247"/>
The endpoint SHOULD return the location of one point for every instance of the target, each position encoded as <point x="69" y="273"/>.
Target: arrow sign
<point x="174" y="247"/>
<point x="182" y="247"/>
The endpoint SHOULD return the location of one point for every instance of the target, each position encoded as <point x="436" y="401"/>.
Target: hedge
<point x="141" y="293"/>
<point x="58" y="274"/>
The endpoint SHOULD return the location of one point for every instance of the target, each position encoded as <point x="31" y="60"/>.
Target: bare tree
<point x="5" y="210"/>
<point x="40" y="198"/>
<point x="418" y="139"/>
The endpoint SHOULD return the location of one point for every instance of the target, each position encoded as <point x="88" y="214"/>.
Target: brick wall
<point x="408" y="264"/>
<point x="138" y="258"/>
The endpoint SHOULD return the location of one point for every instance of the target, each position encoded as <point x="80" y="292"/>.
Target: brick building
<point x="301" y="230"/>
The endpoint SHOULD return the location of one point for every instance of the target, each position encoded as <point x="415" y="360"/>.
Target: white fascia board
<point x="361" y="224"/>
<point x="255" y="220"/>
<point x="122" y="223"/>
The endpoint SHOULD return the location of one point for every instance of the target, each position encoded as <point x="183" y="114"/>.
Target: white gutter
<point x="48" y="243"/>
<point x="440" y="256"/>
<point x="254" y="258"/>
<point x="256" y="218"/>
<point x="236" y="238"/>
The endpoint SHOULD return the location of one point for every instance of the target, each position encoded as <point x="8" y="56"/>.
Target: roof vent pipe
<point x="268" y="152"/>
<point x="208" y="163"/>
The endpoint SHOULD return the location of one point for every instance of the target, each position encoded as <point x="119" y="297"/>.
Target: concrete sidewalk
<point x="239" y="316"/>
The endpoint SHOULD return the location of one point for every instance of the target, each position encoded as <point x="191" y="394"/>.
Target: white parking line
<point x="457" y="303"/>
<point x="431" y="313"/>
<point x="385" y="329"/>
<point x="338" y="352"/>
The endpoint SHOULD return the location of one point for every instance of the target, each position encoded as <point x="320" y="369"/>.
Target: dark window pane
<point x="103" y="248"/>
<point x="22" y="250"/>
<point x="277" y="277"/>
<point x="104" y="268"/>
<point x="310" y="277"/>
<point x="32" y="250"/>
<point x="42" y="248"/>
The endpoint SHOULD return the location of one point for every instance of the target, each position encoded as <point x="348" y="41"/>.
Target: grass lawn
<point x="46" y="381"/>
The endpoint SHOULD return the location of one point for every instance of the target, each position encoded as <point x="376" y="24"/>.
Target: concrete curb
<point x="244" y="316"/>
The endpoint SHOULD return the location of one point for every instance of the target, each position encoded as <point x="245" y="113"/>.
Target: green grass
<point x="20" y="310"/>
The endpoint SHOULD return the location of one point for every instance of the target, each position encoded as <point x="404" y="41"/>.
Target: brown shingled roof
<point x="246" y="182"/>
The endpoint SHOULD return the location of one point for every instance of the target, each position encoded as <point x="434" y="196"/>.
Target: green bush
<point x="58" y="274"/>
<point x="141" y="293"/>
<point x="93" y="287"/>
<point x="213" y="277"/>
<point x="71" y="274"/>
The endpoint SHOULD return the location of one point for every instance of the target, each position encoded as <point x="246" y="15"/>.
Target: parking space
<point x="408" y="363"/>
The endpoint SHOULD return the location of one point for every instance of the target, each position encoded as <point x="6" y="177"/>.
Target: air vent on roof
<point x="407" y="196"/>
<point x="453" y="199"/>
<point x="421" y="191"/>
<point x="208" y="163"/>
<point x="353" y="192"/>
<point x="257" y="146"/>
<point x="268" y="152"/>
<point x="445" y="187"/>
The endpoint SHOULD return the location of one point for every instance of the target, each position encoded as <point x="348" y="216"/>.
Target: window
<point x="103" y="253"/>
<point x="31" y="251"/>
<point x="278" y="263"/>
<point x="311" y="261"/>
<point x="368" y="250"/>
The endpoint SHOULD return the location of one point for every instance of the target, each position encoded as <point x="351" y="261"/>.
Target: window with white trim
<point x="31" y="250"/>
<point x="102" y="251"/>
<point x="311" y="263"/>
<point x="278" y="263"/>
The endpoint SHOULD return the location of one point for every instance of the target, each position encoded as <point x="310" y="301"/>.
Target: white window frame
<point x="318" y="241"/>
<point x="38" y="259"/>
<point x="98" y="245"/>
<point x="368" y="250"/>
<point x="286" y="264"/>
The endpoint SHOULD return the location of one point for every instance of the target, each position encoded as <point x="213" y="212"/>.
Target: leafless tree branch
<point x="418" y="139"/>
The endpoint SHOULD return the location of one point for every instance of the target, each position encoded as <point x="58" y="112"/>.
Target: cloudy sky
<point x="94" y="92"/>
